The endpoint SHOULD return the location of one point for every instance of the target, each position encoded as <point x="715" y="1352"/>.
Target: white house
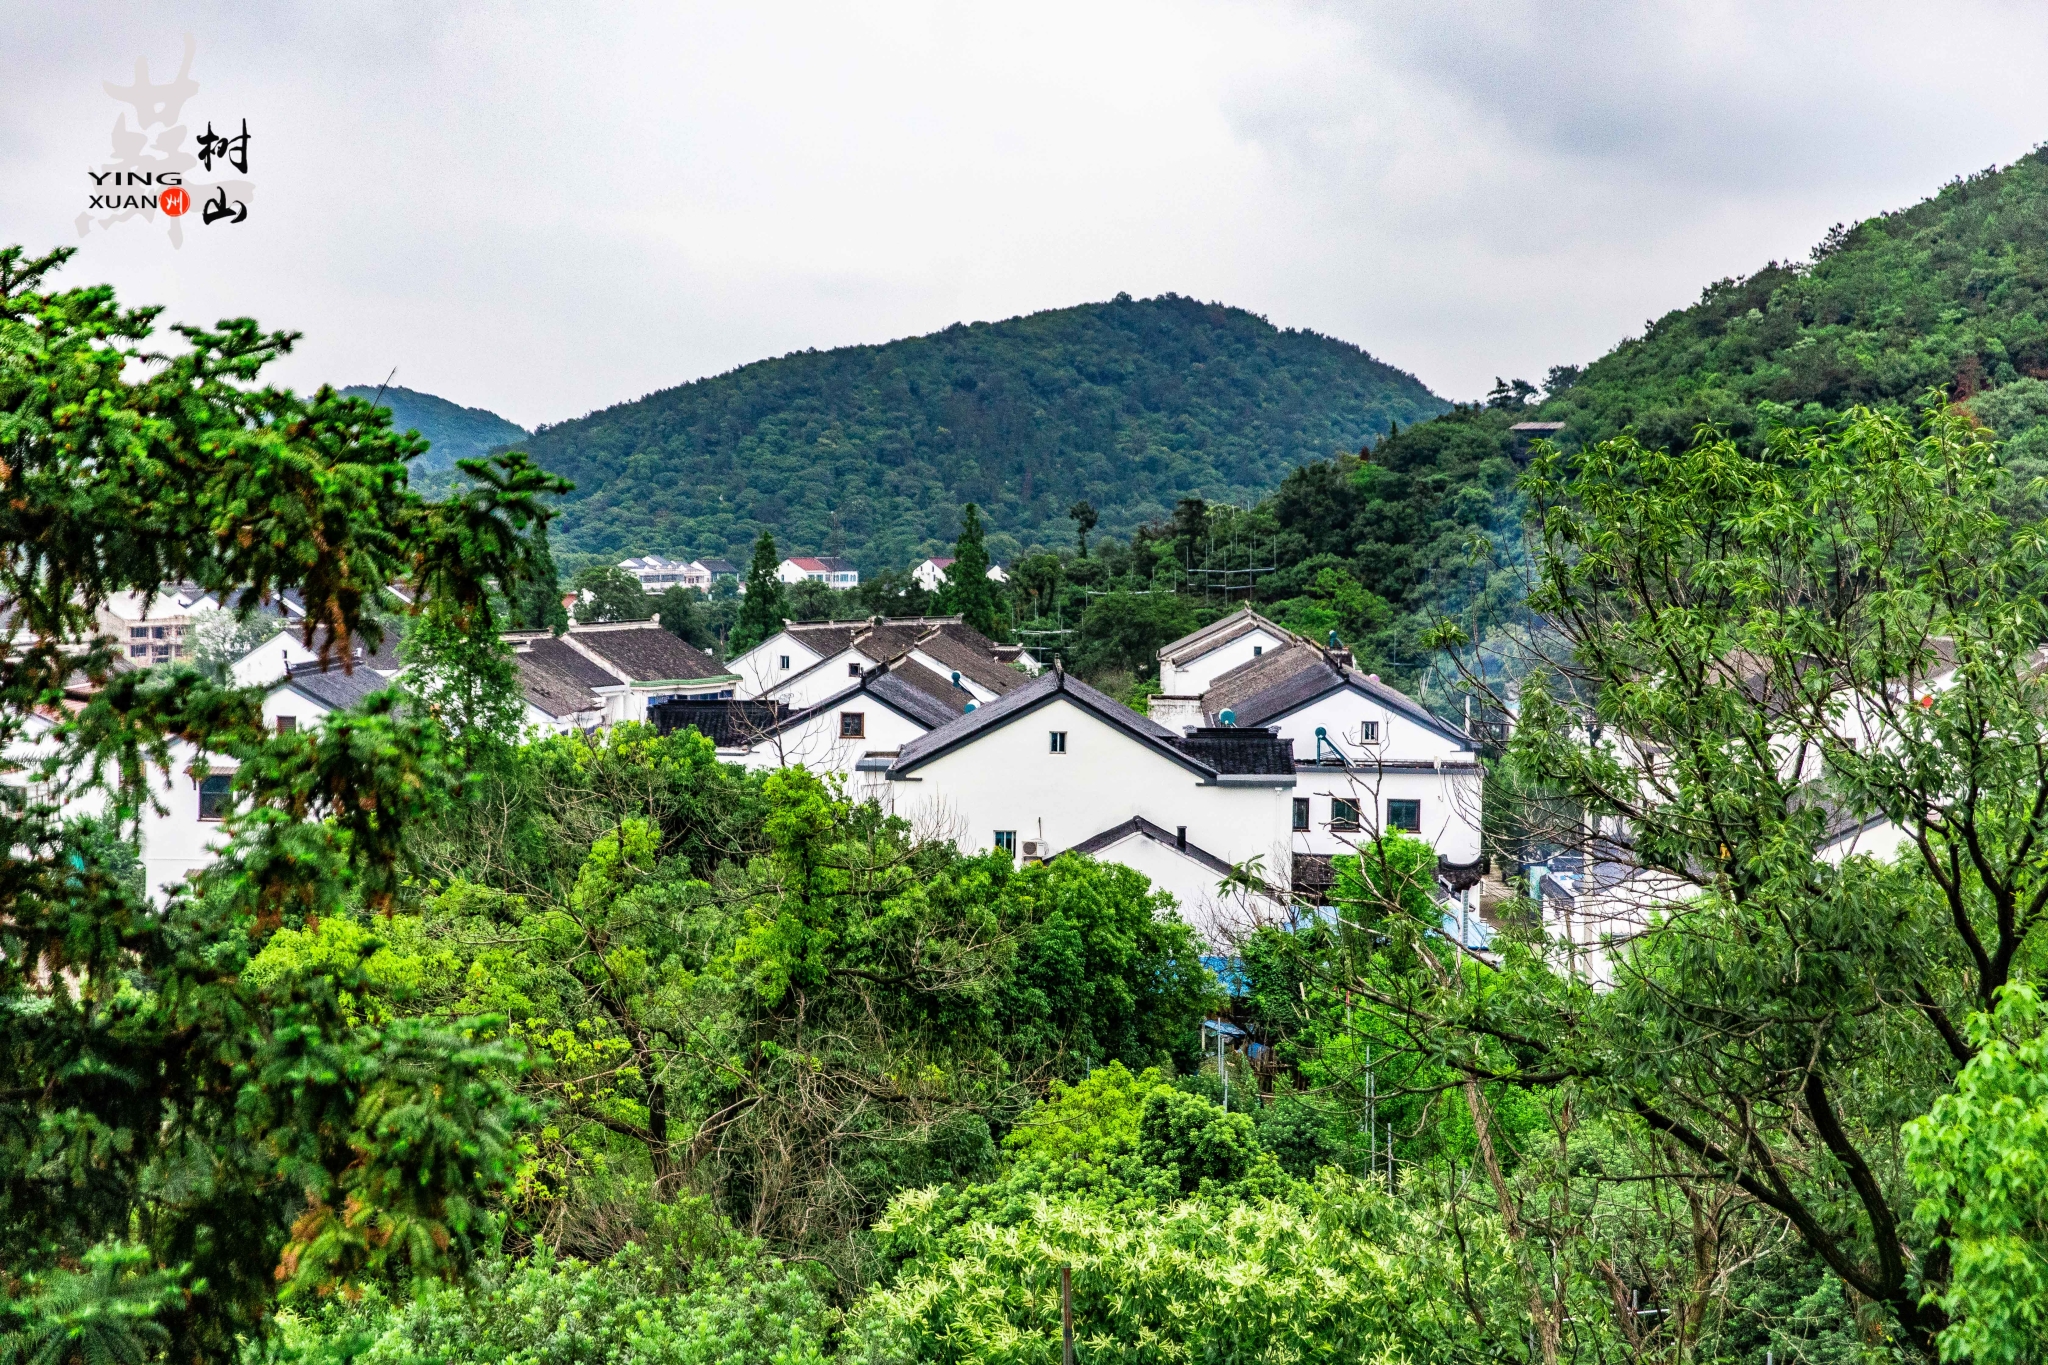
<point x="1054" y="765"/>
<point x="703" y="574"/>
<point x="657" y="574"/>
<point x="1188" y="665"/>
<point x="855" y="733"/>
<point x="153" y="628"/>
<point x="806" y="661"/>
<point x="832" y="571"/>
<point x="930" y="574"/>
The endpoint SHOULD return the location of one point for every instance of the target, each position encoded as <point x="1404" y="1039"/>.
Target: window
<point x="138" y="651"/>
<point x="213" y="797"/>
<point x="853" y="670"/>
<point x="1405" y="815"/>
<point x="1058" y="742"/>
<point x="1257" y="650"/>
<point x="1301" y="812"/>
<point x="287" y="724"/>
<point x="1006" y="840"/>
<point x="853" y="725"/>
<point x="1368" y="732"/>
<point x="160" y="651"/>
<point x="1343" y="813"/>
<point x="785" y="663"/>
<point x="138" y="632"/>
<point x="160" y="632"/>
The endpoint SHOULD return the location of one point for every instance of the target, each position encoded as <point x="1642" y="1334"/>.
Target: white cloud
<point x="545" y="209"/>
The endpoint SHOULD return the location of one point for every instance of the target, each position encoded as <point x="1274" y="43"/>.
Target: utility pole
<point x="1066" y="1315"/>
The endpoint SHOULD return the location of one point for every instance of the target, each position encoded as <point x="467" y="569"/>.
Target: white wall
<point x="760" y="668"/>
<point x="1196" y="674"/>
<point x="1008" y="779"/>
<point x="815" y="745"/>
<point x="1221" y="919"/>
<point x="271" y="660"/>
<point x="1341" y="713"/>
<point x="1450" y="808"/>
<point x="825" y="679"/>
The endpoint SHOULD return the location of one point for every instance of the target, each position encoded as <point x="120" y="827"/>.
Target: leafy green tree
<point x="219" y="639"/>
<point x="1122" y="631"/>
<point x="969" y="590"/>
<point x="1980" y="1159"/>
<point x="243" y="1141"/>
<point x="536" y="604"/>
<point x="761" y="610"/>
<point x="609" y="593"/>
<point x="1085" y="518"/>
<point x="1723" y="694"/>
<point x="462" y="674"/>
<point x="681" y="613"/>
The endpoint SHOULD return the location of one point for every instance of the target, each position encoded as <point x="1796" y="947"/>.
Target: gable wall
<point x="1196" y="674"/>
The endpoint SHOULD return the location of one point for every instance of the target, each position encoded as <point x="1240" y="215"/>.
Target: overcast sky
<point x="545" y="209"/>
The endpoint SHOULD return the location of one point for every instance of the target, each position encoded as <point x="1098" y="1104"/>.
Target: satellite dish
<point x="1322" y="732"/>
<point x="1228" y="717"/>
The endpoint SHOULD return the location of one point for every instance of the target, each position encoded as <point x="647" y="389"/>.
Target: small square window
<point x="1368" y="732"/>
<point x="1006" y="841"/>
<point x="1058" y="743"/>
<point x="1343" y="813"/>
<point x="287" y="724"/>
<point x="785" y="663"/>
<point x="1301" y="812"/>
<point x="213" y="796"/>
<point x="1405" y="815"/>
<point x="853" y="725"/>
<point x="1257" y="650"/>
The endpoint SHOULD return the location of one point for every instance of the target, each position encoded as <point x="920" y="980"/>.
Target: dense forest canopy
<point x="871" y="451"/>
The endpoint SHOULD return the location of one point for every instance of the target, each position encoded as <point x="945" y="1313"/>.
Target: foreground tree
<point x="969" y="590"/>
<point x="761" y="609"/>
<point x="195" y="1141"/>
<point x="1756" y="654"/>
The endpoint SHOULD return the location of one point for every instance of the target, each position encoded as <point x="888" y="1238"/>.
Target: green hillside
<point x="871" y="451"/>
<point x="1948" y="293"/>
<point x="457" y="432"/>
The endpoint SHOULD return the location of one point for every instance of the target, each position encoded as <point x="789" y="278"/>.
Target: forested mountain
<point x="457" y="433"/>
<point x="871" y="451"/>
<point x="1945" y="294"/>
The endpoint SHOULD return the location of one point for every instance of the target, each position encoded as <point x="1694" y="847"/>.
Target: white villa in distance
<point x="834" y="572"/>
<point x="930" y="574"/>
<point x="657" y="573"/>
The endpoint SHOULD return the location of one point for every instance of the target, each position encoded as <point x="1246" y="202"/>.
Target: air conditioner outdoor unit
<point x="1035" y="850"/>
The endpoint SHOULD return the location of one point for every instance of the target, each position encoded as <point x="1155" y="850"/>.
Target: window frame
<point x="287" y="725"/>
<point x="220" y="798"/>
<point x="785" y="662"/>
<point x="1339" y="820"/>
<point x="1056" y="741"/>
<point x="1300" y="822"/>
<point x="1006" y="841"/>
<point x="1412" y="806"/>
<point x="859" y="725"/>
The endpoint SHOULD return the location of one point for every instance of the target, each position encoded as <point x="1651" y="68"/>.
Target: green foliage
<point x="1130" y="405"/>
<point x="550" y="1311"/>
<point x="451" y="431"/>
<point x="610" y="594"/>
<point x="1122" y="632"/>
<point x="219" y="639"/>
<point x="536" y="603"/>
<point x="1092" y="1120"/>
<point x="680" y="611"/>
<point x="462" y="675"/>
<point x="969" y="590"/>
<point x="762" y="610"/>
<point x="151" y="1094"/>
<point x="104" y="1314"/>
<point x="1980" y="1159"/>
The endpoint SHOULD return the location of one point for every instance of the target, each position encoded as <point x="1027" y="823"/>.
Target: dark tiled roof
<point x="1139" y="825"/>
<point x="921" y="694"/>
<point x="1231" y="690"/>
<point x="1200" y="642"/>
<point x="648" y="654"/>
<point x="563" y="662"/>
<point x="719" y="566"/>
<point x="332" y="688"/>
<point x="1325" y="677"/>
<point x="551" y="691"/>
<point x="729" y="724"/>
<point x="1027" y="697"/>
<point x="886" y="642"/>
<point x="825" y="637"/>
<point x="957" y="654"/>
<point x="1251" y="752"/>
<point x="967" y="635"/>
